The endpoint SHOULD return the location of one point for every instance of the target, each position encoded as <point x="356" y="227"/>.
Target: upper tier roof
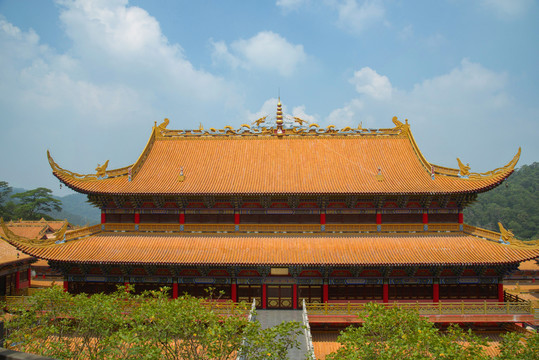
<point x="275" y="160"/>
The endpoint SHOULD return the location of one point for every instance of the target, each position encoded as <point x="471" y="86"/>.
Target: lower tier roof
<point x="279" y="250"/>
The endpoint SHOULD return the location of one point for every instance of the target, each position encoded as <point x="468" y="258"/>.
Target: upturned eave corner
<point x="102" y="173"/>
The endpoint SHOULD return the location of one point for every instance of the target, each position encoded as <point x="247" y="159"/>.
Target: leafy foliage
<point x="149" y="326"/>
<point x="515" y="203"/>
<point x="398" y="333"/>
<point x="28" y="205"/>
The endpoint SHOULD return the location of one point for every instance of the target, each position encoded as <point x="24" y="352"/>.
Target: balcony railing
<point x="441" y="308"/>
<point x="484" y="233"/>
<point x="280" y="228"/>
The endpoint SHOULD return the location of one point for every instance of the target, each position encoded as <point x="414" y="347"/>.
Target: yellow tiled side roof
<point x="306" y="249"/>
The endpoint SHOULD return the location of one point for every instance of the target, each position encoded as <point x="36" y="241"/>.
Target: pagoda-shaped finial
<point x="279" y="121"/>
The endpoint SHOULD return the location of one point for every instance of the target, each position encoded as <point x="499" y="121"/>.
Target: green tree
<point x="516" y="346"/>
<point x="148" y="326"/>
<point x="34" y="204"/>
<point x="398" y="333"/>
<point x="515" y="203"/>
<point x="5" y="208"/>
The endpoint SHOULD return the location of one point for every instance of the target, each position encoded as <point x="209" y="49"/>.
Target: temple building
<point x="280" y="211"/>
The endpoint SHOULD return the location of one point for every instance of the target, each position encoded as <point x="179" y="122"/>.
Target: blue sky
<point x="87" y="79"/>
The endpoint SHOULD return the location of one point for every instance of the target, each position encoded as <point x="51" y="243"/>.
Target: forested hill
<point x="515" y="203"/>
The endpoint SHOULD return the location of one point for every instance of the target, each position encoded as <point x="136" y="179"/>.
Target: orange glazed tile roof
<point x="8" y="253"/>
<point x="305" y="249"/>
<point x="313" y="163"/>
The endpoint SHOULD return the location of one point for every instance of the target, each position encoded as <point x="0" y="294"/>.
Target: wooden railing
<point x="273" y="228"/>
<point x="280" y="227"/>
<point x="86" y="231"/>
<point x="119" y="227"/>
<point x="209" y="227"/>
<point x="159" y="227"/>
<point x="350" y="227"/>
<point x="402" y="227"/>
<point x="441" y="308"/>
<point x="484" y="233"/>
<point x="444" y="227"/>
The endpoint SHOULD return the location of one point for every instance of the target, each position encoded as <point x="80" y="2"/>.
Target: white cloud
<point x="369" y="82"/>
<point x="119" y="76"/>
<point x="290" y="5"/>
<point x="355" y="17"/>
<point x="299" y="111"/>
<point x="453" y="111"/>
<point x="265" y="51"/>
<point x="508" y="9"/>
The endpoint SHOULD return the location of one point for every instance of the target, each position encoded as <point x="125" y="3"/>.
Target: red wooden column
<point x="323" y="222"/>
<point x="500" y="292"/>
<point x="17" y="280"/>
<point x="425" y="221"/>
<point x="66" y="285"/>
<point x="29" y="277"/>
<point x="137" y="220"/>
<point x="295" y="296"/>
<point x="436" y="292"/>
<point x="385" y="289"/>
<point x="103" y="217"/>
<point x="263" y="296"/>
<point x="461" y="221"/>
<point x="325" y="293"/>
<point x="234" y="292"/>
<point x="182" y="218"/>
<point x="379" y="221"/>
<point x="174" y="290"/>
<point x="237" y="221"/>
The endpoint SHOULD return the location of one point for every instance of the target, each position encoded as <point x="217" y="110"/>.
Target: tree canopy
<point x="399" y="333"/>
<point x="515" y="203"/>
<point x="149" y="326"/>
<point x="28" y="205"/>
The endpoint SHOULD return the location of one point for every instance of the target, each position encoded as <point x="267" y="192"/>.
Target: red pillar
<point x="137" y="218"/>
<point x="325" y="293"/>
<point x="66" y="285"/>
<point x="174" y="290"/>
<point x="29" y="277"/>
<point x="233" y="293"/>
<point x="322" y="219"/>
<point x="103" y="217"/>
<point x="378" y="219"/>
<point x="236" y="219"/>
<point x="425" y="218"/>
<point x="182" y="218"/>
<point x="263" y="296"/>
<point x="17" y="280"/>
<point x="295" y="296"/>
<point x="385" y="289"/>
<point x="461" y="218"/>
<point x="436" y="292"/>
<point x="500" y="292"/>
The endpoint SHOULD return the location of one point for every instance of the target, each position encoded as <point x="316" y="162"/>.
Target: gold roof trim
<point x="100" y="175"/>
<point x="463" y="171"/>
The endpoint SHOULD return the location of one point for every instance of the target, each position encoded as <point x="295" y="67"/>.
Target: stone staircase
<point x="270" y="318"/>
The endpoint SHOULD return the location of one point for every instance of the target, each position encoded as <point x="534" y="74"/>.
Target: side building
<point x="278" y="213"/>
